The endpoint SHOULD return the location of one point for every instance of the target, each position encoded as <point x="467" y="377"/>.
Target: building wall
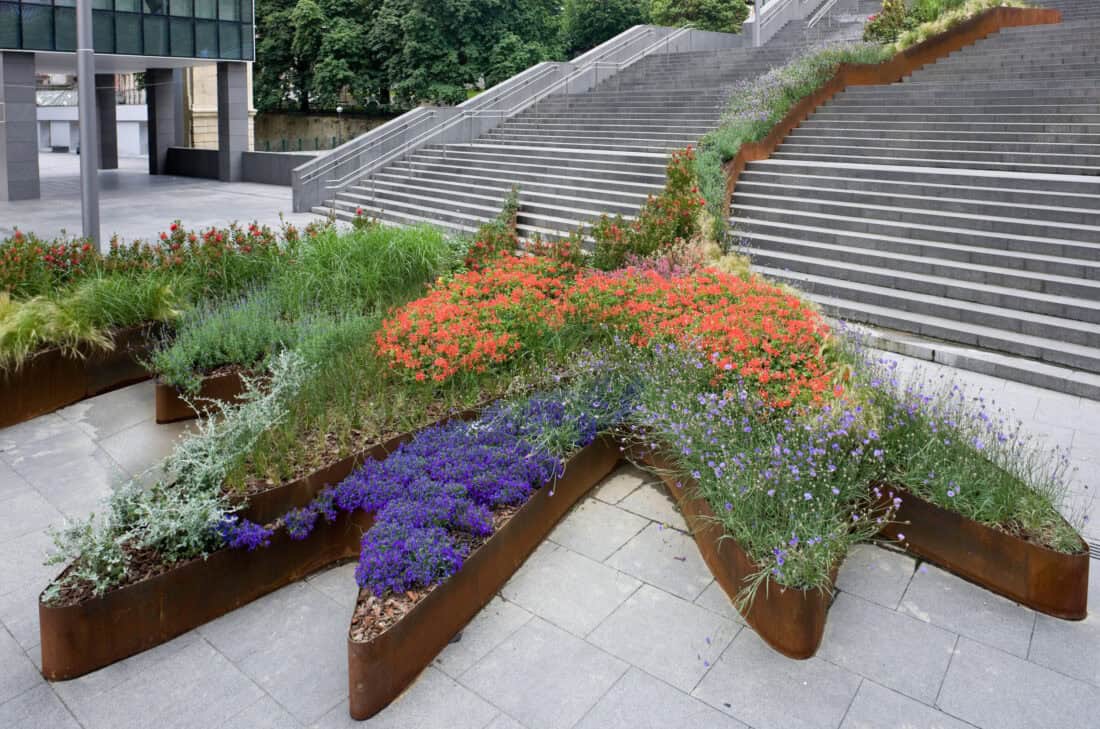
<point x="201" y="97"/>
<point x="58" y="129"/>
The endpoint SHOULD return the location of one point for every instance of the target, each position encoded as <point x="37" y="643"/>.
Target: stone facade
<point x="201" y="95"/>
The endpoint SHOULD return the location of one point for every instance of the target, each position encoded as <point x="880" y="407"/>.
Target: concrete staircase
<point x="579" y="156"/>
<point x="957" y="212"/>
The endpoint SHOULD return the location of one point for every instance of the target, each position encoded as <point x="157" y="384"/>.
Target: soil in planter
<point x="143" y="564"/>
<point x="373" y="615"/>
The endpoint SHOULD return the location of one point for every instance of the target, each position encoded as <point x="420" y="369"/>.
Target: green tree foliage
<point x="721" y="15"/>
<point x="587" y="23"/>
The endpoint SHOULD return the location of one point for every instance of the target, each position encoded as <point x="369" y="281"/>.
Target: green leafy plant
<point x="497" y="236"/>
<point x="725" y="16"/>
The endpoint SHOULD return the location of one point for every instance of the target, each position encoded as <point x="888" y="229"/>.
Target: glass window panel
<point x="156" y="36"/>
<point x="103" y="31"/>
<point x="64" y="3"/>
<point x="38" y="27"/>
<point x="103" y="5"/>
<point x="206" y="39"/>
<point x="247" y="50"/>
<point x="64" y="29"/>
<point x="9" y="25"/>
<point x="155" y="7"/>
<point x="229" y="10"/>
<point x="246" y="11"/>
<point x="229" y="40"/>
<point x="131" y="6"/>
<point x="184" y="8"/>
<point x="183" y="37"/>
<point x="128" y="34"/>
<point x="36" y="2"/>
<point x="206" y="8"/>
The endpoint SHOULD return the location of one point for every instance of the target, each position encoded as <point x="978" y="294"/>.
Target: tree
<point x="586" y="24"/>
<point x="726" y="16"/>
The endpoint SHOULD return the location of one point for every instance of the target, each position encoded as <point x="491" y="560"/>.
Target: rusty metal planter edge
<point x="171" y="407"/>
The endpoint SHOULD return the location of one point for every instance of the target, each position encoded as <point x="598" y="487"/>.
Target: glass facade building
<point x="207" y="29"/>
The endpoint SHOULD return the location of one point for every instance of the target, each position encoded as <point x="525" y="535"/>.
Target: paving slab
<point x="19" y="614"/>
<point x="992" y="689"/>
<point x="640" y="701"/>
<point x="17" y="673"/>
<point x="672" y="639"/>
<point x="38" y="708"/>
<point x="22" y="566"/>
<point x="715" y="599"/>
<point x="620" y="484"/>
<point x="596" y="529"/>
<point x="568" y="589"/>
<point x="338" y="583"/>
<point x="79" y="487"/>
<point x="293" y="643"/>
<point x="503" y="721"/>
<point x="544" y="677"/>
<point x="876" y="574"/>
<point x="877" y="707"/>
<point x="435" y="701"/>
<point x="24" y="514"/>
<point x="896" y="650"/>
<point x="1071" y="647"/>
<point x="653" y="502"/>
<point x="140" y="446"/>
<point x="938" y="597"/>
<point x="765" y="690"/>
<point x="665" y="558"/>
<point x="263" y="714"/>
<point x="109" y="413"/>
<point x="496" y="621"/>
<point x="11" y="483"/>
<point x="197" y="688"/>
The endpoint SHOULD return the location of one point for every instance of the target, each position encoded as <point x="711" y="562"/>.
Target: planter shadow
<point x="50" y="380"/>
<point x="1050" y="582"/>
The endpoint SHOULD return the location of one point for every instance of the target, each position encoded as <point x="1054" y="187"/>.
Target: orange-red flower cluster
<point x="749" y="329"/>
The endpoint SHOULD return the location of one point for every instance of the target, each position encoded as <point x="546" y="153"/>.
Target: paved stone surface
<point x="941" y="598"/>
<point x="653" y="502"/>
<point x="164" y="198"/>
<point x="639" y="700"/>
<point x="876" y="574"/>
<point x="626" y="659"/>
<point x="568" y="589"/>
<point x="567" y="676"/>
<point x="901" y="652"/>
<point x="674" y="640"/>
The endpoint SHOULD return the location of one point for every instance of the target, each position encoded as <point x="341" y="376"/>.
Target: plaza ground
<point x="136" y="205"/>
<point x="614" y="622"/>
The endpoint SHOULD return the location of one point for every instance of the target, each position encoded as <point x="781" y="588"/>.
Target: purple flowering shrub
<point x="789" y="485"/>
<point x="397" y="556"/>
<point x="242" y="534"/>
<point x="957" y="449"/>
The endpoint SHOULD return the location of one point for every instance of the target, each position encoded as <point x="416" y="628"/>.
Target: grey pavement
<point x="614" y="622"/>
<point x="138" y="206"/>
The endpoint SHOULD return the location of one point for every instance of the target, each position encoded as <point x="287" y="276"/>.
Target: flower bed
<point x="172" y="406"/>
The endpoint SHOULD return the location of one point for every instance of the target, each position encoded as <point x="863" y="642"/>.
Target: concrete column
<point x="164" y="99"/>
<point x="18" y="128"/>
<point x="232" y="119"/>
<point x="108" y="121"/>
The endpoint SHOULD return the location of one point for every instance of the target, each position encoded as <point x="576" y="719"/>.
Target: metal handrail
<point x="466" y="114"/>
<point x="340" y="155"/>
<point x="821" y="13"/>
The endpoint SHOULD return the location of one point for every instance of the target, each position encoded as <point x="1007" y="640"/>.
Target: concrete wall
<point x="191" y="162"/>
<point x="272" y="168"/>
<point x="315" y="130"/>
<point x="58" y="128"/>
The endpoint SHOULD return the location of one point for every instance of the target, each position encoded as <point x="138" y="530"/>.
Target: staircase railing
<point x="821" y="13"/>
<point x="327" y="175"/>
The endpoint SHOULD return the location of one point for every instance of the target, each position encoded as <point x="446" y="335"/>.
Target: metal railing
<point x="821" y="13"/>
<point x="322" y="177"/>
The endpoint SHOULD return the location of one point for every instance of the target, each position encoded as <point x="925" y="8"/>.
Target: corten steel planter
<point x="51" y="379"/>
<point x="789" y="620"/>
<point x="380" y="669"/>
<point x="1050" y="582"/>
<point x="171" y="407"/>
<point x="81" y="638"/>
<point x="888" y="72"/>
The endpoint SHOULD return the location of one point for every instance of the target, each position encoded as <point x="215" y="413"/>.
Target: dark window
<point x="183" y="37"/>
<point x="103" y="5"/>
<point x="128" y="34"/>
<point x="206" y="8"/>
<point x="229" y="40"/>
<point x="103" y="31"/>
<point x="38" y="27"/>
<point x="64" y="29"/>
<point x="247" y="51"/>
<point x="185" y="8"/>
<point x="206" y="39"/>
<point x="9" y="25"/>
<point x="156" y="36"/>
<point x="229" y="10"/>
